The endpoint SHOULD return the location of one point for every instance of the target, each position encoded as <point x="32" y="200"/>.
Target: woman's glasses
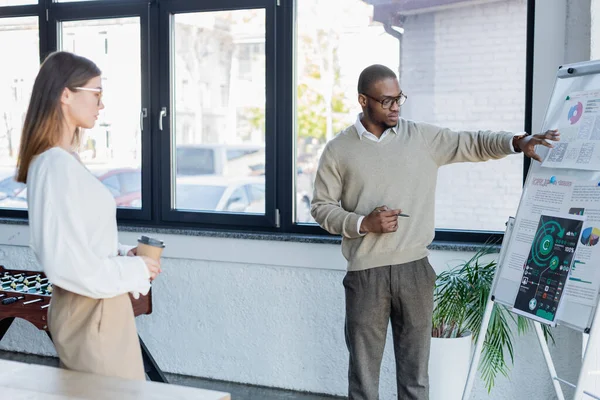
<point x="95" y="90"/>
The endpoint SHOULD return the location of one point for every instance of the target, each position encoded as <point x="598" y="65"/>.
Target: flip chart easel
<point x="566" y="182"/>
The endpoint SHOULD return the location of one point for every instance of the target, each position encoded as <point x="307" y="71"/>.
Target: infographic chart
<point x="547" y="267"/>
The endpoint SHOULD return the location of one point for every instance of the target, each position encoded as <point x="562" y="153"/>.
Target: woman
<point x="72" y="220"/>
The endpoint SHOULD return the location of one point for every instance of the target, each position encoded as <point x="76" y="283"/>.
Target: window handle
<point x="163" y="113"/>
<point x="143" y="114"/>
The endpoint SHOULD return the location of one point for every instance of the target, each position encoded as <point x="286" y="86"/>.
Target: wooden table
<point x="35" y="382"/>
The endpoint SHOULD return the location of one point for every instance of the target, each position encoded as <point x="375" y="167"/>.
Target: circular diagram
<point x="575" y="113"/>
<point x="543" y="243"/>
<point x="590" y="236"/>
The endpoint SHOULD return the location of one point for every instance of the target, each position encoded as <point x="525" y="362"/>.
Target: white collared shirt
<point x="364" y="133"/>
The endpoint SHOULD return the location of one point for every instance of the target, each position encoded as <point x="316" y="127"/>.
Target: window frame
<point x="280" y="194"/>
<point x="30" y="10"/>
<point x="66" y="12"/>
<point x="169" y="214"/>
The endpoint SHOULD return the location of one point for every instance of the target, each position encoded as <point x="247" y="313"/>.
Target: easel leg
<point x="487" y="314"/>
<point x="150" y="366"/>
<point x="477" y="352"/>
<point x="544" y="346"/>
<point x="4" y="325"/>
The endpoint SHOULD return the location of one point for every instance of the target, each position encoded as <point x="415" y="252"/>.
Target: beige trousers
<point x="95" y="335"/>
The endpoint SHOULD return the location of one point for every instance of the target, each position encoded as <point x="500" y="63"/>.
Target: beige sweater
<point x="356" y="175"/>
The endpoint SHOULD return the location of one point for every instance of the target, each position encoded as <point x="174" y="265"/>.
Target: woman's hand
<point x="153" y="267"/>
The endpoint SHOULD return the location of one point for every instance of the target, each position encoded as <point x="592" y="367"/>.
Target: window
<point x="238" y="201"/>
<point x="476" y="83"/>
<point x="219" y="130"/>
<point x="19" y="37"/>
<point x="120" y="63"/>
<point x="113" y="184"/>
<point x="450" y="72"/>
<point x="216" y="115"/>
<point x="16" y="2"/>
<point x="130" y="182"/>
<point x="328" y="64"/>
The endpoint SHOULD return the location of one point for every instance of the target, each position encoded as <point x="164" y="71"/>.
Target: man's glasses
<point x="95" y="90"/>
<point x="388" y="101"/>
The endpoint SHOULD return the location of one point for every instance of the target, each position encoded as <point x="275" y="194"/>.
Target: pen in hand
<point x="402" y="215"/>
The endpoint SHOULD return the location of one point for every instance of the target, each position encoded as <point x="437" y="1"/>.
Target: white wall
<point x="265" y="313"/>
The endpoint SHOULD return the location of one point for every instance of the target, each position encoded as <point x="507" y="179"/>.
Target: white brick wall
<point x="464" y="68"/>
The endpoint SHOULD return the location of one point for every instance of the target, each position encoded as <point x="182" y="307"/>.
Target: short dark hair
<point x="372" y="74"/>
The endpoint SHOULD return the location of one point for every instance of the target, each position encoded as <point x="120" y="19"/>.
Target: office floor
<point x="237" y="391"/>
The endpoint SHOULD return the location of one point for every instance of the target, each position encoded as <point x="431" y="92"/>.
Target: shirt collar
<point x="360" y="128"/>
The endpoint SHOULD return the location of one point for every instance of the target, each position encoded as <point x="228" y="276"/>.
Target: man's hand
<point x="527" y="144"/>
<point x="380" y="220"/>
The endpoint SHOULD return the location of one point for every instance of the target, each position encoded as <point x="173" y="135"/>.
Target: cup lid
<point x="151" y="241"/>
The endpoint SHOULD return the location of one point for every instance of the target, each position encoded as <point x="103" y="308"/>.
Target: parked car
<point x="220" y="159"/>
<point x="242" y="195"/>
<point x="218" y="193"/>
<point x="9" y="187"/>
<point x="125" y="184"/>
<point x="18" y="201"/>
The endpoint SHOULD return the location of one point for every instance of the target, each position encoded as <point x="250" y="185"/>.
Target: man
<point x="375" y="186"/>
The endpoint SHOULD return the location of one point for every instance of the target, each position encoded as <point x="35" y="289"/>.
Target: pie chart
<point x="590" y="236"/>
<point x="575" y="113"/>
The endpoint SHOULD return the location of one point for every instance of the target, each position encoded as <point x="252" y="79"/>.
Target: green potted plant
<point x="460" y="298"/>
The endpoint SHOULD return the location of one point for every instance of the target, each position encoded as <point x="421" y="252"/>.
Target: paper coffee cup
<point x="150" y="247"/>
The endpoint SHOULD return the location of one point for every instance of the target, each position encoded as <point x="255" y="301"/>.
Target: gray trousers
<point x="404" y="294"/>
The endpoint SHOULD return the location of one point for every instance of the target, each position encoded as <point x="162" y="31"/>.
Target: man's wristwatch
<point x="516" y="139"/>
